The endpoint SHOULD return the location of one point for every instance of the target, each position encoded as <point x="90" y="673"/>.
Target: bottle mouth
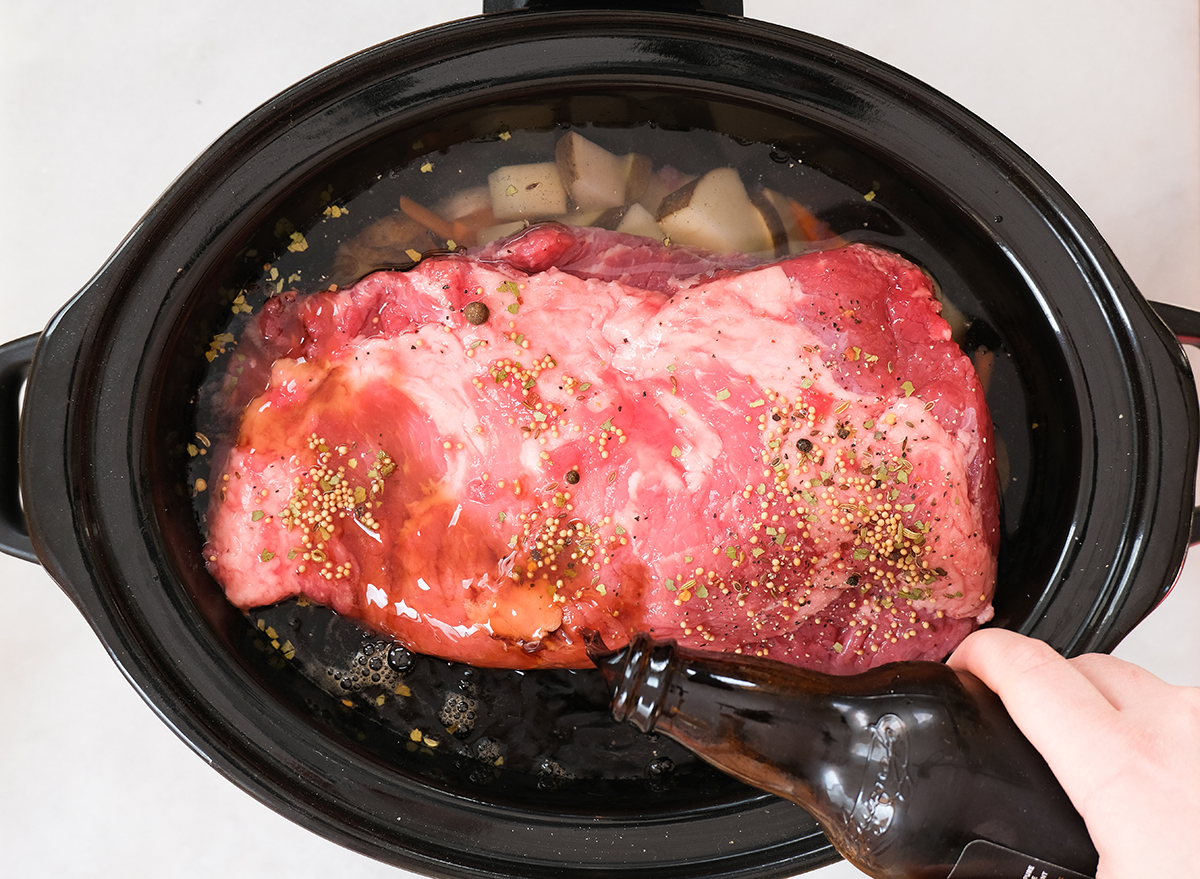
<point x="637" y="676"/>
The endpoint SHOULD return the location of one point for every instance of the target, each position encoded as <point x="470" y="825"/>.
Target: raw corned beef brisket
<point x="576" y="429"/>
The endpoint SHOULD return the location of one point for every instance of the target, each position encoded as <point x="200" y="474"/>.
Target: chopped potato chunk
<point x="715" y="212"/>
<point x="639" y="221"/>
<point x="527" y="192"/>
<point x="594" y="177"/>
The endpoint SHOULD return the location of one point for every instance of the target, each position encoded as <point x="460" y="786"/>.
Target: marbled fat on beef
<point x="791" y="460"/>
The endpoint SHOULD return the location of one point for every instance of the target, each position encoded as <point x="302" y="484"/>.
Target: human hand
<point x="1124" y="745"/>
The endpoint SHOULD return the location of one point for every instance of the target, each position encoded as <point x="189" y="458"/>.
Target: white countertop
<point x="103" y="104"/>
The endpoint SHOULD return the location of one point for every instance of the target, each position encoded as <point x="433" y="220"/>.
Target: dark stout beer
<point x="904" y="765"/>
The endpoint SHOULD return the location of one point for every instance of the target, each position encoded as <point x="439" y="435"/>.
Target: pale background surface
<point x="102" y="105"/>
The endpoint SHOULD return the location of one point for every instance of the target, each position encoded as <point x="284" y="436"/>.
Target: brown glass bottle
<point x="903" y="766"/>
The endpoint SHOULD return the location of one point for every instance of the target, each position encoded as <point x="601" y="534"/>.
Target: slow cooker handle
<point x="725" y="7"/>
<point x="1185" y="324"/>
<point x="15" y="358"/>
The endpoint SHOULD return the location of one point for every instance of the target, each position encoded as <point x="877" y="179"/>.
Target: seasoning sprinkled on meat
<point x="790" y="460"/>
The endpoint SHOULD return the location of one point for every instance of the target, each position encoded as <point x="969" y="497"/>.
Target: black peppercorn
<point x="476" y="313"/>
<point x="572" y="476"/>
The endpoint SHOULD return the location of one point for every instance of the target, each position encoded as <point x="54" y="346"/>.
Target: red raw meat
<point x="633" y="260"/>
<point x="792" y="460"/>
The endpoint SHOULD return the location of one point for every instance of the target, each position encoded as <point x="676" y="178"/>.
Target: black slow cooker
<point x="1091" y="394"/>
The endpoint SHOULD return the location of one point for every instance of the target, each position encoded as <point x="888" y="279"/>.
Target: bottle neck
<point x="732" y="714"/>
<point x="638" y="676"/>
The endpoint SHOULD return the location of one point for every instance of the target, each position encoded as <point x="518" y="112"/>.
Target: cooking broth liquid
<point x="545" y="733"/>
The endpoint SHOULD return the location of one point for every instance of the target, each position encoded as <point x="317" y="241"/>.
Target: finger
<point x="1126" y="686"/>
<point x="1052" y="702"/>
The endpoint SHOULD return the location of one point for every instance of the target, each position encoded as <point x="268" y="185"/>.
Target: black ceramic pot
<point x="1090" y="393"/>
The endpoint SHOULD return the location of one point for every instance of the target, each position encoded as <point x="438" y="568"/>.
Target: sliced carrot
<point x="426" y="218"/>
<point x="810" y="227"/>
<point x="466" y="228"/>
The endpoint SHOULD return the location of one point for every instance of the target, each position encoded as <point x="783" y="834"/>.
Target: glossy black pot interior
<point x="1091" y="395"/>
